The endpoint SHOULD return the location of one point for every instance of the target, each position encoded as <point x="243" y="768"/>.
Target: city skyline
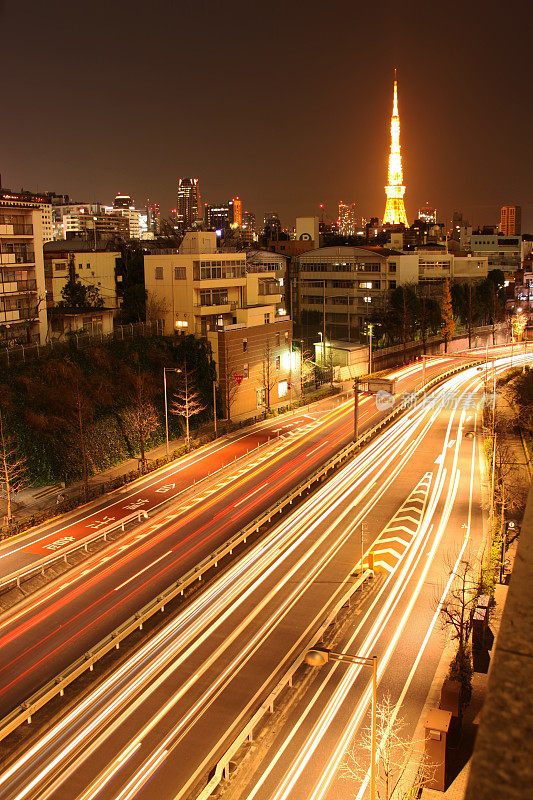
<point x="129" y="132"/>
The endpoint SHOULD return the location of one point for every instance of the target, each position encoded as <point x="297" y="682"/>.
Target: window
<point x="244" y="345"/>
<point x="283" y="388"/>
<point x="286" y="336"/>
<point x="278" y="362"/>
<point x="261" y="397"/>
<point x="267" y="319"/>
<point x="277" y="339"/>
<point x="59" y="267"/>
<point x="392" y="284"/>
<point x="245" y="371"/>
<point x="159" y="273"/>
<point x="392" y="267"/>
<point x="179" y="273"/>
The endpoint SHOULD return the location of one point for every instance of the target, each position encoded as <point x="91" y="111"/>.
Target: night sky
<point x="285" y="103"/>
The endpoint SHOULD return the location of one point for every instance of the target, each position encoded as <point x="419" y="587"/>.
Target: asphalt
<point x="206" y="684"/>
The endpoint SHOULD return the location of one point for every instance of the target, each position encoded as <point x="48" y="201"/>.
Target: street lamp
<point x="165" y="370"/>
<point x="323" y="343"/>
<point x="319" y="656"/>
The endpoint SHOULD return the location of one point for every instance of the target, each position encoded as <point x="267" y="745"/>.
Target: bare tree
<point x="13" y="469"/>
<point x="187" y="401"/>
<point x="401" y="769"/>
<point x="141" y="416"/>
<point x="231" y="381"/>
<point x="456" y="619"/>
<point x="156" y="307"/>
<point x="268" y="375"/>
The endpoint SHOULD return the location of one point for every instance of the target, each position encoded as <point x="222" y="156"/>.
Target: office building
<point x="347" y="219"/>
<point x="22" y="286"/>
<point x="189" y="207"/>
<point x="153" y="217"/>
<point x="218" y="216"/>
<point x="511" y="220"/>
<point x="428" y="214"/>
<point x="237" y="211"/>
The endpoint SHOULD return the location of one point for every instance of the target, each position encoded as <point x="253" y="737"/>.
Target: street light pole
<point x="355" y="408"/>
<point x="215" y="406"/>
<point x="319" y="656"/>
<point x="370" y="329"/>
<point x="165" y="370"/>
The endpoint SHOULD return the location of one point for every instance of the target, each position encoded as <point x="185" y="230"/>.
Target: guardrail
<point x="313" y="634"/>
<point x="81" y="544"/>
<point x="57" y="685"/>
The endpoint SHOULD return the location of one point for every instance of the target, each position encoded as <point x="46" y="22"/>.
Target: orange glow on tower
<point x="394" y="207"/>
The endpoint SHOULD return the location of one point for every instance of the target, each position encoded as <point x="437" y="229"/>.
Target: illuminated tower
<point x="394" y="208"/>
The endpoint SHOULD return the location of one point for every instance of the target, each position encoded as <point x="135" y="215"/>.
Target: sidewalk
<point x="38" y="499"/>
<point x="459" y="758"/>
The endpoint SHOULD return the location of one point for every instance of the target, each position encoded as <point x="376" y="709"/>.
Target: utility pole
<point x="370" y="329"/>
<point x="214" y="406"/>
<point x="355" y="408"/>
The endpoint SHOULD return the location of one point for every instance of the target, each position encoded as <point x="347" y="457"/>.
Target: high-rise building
<point x="218" y="216"/>
<point x="395" y="190"/>
<point x="347" y="219"/>
<point x="428" y="214"/>
<point x="123" y="201"/>
<point x="272" y="225"/>
<point x="237" y="211"/>
<point x="189" y="208"/>
<point x="511" y="220"/>
<point x="248" y="221"/>
<point x="153" y="217"/>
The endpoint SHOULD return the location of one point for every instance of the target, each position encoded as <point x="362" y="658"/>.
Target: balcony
<point x="15" y="229"/>
<point x="18" y="287"/>
<point x="17" y="257"/>
<point x="220" y="308"/>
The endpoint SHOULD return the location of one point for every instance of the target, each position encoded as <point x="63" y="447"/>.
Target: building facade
<point x="22" y="286"/>
<point x="511" y="220"/>
<point x="347" y="219"/>
<point x="345" y="285"/>
<point x="189" y="205"/>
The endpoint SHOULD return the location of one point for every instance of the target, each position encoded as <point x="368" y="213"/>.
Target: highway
<point x="171" y="707"/>
<point x="64" y="620"/>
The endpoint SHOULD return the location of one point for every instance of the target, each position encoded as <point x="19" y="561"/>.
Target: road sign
<point x="238" y="378"/>
<point x="374" y="385"/>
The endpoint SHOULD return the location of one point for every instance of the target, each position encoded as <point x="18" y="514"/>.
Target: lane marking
<point x="142" y="570"/>
<point x="249" y="495"/>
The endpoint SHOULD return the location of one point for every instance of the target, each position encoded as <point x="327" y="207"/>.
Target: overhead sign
<point x="374" y="385"/>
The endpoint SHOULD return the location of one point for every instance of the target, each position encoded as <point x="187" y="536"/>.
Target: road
<point x="173" y="705"/>
<point x="49" y="631"/>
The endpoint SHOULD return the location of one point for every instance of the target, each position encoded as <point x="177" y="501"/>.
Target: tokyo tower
<point x="394" y="207"/>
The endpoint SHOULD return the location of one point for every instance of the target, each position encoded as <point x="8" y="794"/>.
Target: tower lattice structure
<point x="395" y="190"/>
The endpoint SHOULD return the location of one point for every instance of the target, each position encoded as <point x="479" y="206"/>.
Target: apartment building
<point x="235" y="304"/>
<point x="92" y="266"/>
<point x="435" y="264"/>
<point x="22" y="286"/>
<point x="346" y="284"/>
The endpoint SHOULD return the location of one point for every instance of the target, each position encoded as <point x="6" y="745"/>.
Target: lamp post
<point x="370" y="329"/>
<point x="165" y="370"/>
<point x="319" y="656"/>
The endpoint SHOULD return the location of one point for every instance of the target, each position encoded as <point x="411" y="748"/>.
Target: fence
<point x="77" y="341"/>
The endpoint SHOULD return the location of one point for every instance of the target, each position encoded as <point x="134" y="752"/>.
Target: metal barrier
<point x="24" y="712"/>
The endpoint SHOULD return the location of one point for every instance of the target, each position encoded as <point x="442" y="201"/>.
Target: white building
<point x="346" y="284"/>
<point x="22" y="284"/>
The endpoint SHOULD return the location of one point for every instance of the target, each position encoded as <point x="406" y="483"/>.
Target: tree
<point x="187" y="401"/>
<point x="456" y="620"/>
<point x="156" y="307"/>
<point x="448" y="322"/>
<point x="268" y="372"/>
<point x="401" y="769"/>
<point x="77" y="295"/>
<point x="13" y="469"/>
<point x="141" y="416"/>
<point x="231" y="381"/>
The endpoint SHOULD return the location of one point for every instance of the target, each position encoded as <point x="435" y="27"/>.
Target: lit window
<point x="245" y="371"/>
<point x="367" y="299"/>
<point x="278" y="362"/>
<point x="283" y="388"/>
